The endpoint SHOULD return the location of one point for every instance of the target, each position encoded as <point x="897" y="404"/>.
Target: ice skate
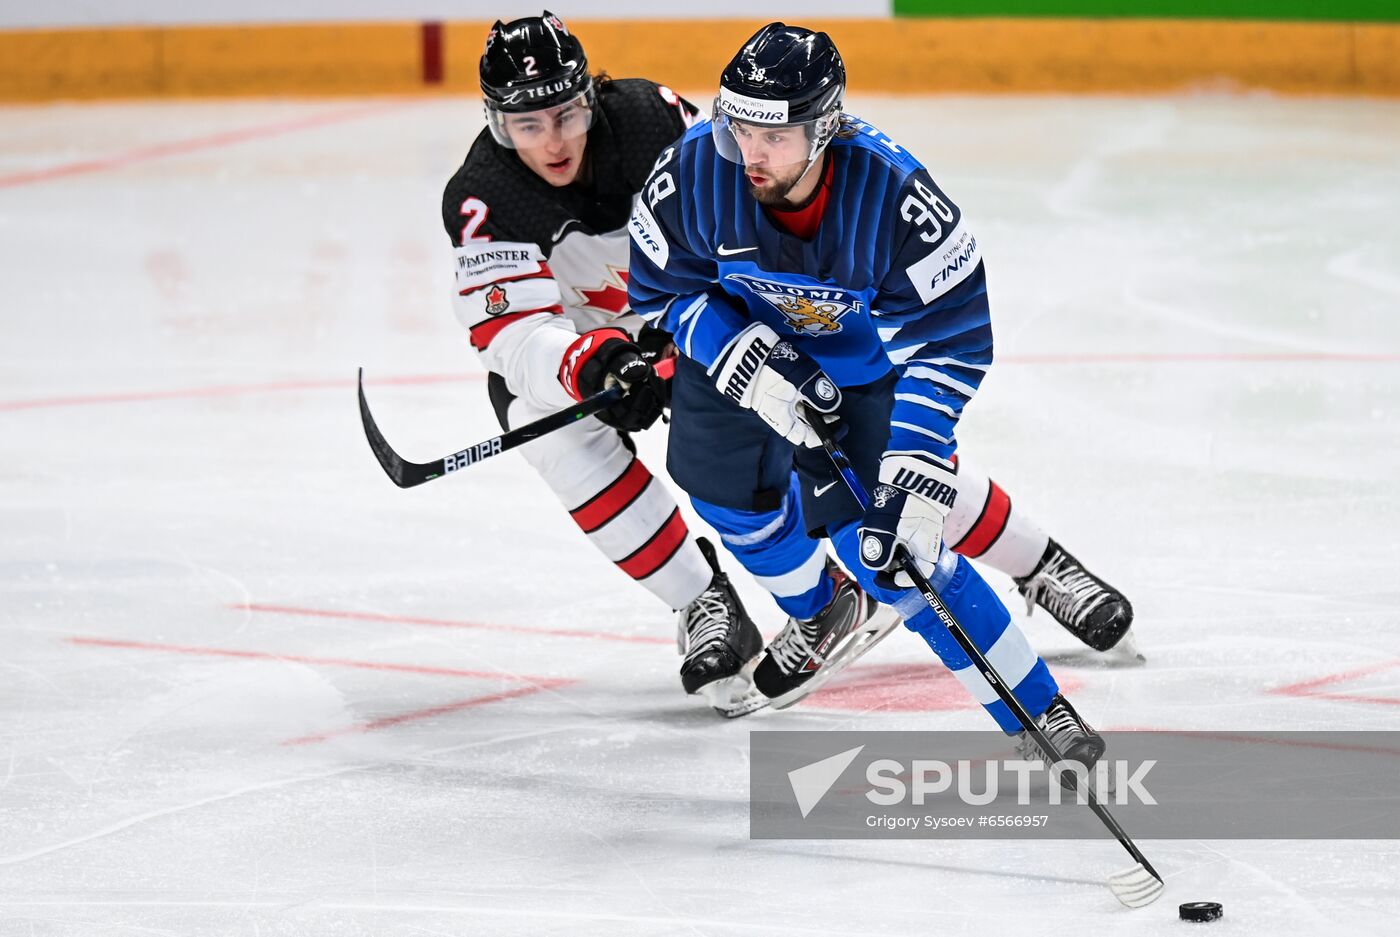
<point x="803" y="648"/>
<point x="1089" y="608"/>
<point x="717" y="638"/>
<point x="1068" y="732"/>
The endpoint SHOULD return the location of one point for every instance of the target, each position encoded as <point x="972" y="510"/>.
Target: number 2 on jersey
<point x="475" y="211"/>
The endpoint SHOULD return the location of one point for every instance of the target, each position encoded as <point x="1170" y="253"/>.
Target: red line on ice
<point x="227" y="390"/>
<point x="452" y="623"/>
<point x="194" y="144"/>
<point x="1258" y="739"/>
<point x="283" y="386"/>
<point x="533" y="684"/>
<point x="1197" y="357"/>
<point x="389" y="722"/>
<point x="1309" y="689"/>
<point x="536" y="682"/>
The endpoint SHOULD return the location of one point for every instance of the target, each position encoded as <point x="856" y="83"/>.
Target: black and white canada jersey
<point x="536" y="264"/>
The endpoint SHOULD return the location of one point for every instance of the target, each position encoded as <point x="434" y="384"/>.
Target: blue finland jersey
<point x="891" y="279"/>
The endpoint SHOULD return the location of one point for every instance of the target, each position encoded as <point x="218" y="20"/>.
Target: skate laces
<point x="1060" y="723"/>
<point x="702" y="622"/>
<point x="1064" y="589"/>
<point x="799" y="639"/>
<point x="796" y="643"/>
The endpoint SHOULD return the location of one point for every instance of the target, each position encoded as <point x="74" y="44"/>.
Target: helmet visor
<point x="524" y="130"/>
<point x="751" y="132"/>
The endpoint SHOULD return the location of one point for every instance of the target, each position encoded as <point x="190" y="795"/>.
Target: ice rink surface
<point x="249" y="687"/>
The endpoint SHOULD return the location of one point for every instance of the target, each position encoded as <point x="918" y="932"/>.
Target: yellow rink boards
<point x="883" y="55"/>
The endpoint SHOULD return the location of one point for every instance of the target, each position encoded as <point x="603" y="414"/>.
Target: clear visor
<point x="765" y="145"/>
<point x="530" y="129"/>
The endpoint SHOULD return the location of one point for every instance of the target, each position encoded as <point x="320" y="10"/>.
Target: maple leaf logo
<point x="496" y="302"/>
<point x="611" y="297"/>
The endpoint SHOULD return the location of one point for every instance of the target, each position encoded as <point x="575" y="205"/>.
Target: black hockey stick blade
<point x="408" y="474"/>
<point x="401" y="472"/>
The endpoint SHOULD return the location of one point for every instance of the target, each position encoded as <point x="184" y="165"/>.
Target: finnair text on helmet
<point x="743" y="107"/>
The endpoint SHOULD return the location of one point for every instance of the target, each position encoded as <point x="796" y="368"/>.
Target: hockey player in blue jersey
<point x="801" y="257"/>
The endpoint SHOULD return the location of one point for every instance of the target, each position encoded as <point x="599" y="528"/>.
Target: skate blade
<point x="851" y="649"/>
<point x="1126" y="651"/>
<point x="1136" y="887"/>
<point x="736" y="696"/>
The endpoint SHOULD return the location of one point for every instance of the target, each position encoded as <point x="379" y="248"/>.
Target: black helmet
<point x="534" y="64"/>
<point x="783" y="76"/>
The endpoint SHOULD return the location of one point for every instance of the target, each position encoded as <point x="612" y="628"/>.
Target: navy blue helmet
<point x="784" y="76"/>
<point x="788" y="64"/>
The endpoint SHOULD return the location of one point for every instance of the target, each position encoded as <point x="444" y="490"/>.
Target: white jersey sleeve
<point x="510" y="303"/>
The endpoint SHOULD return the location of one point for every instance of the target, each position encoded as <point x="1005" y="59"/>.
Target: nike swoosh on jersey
<point x="817" y="492"/>
<point x="726" y="251"/>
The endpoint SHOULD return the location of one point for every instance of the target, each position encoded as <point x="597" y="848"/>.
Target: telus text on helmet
<point x="537" y="91"/>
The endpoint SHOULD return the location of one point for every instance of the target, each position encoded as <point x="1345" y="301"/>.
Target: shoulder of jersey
<point x="504" y="197"/>
<point x="629" y="92"/>
<point x="645" y="118"/>
<point x="641" y="97"/>
<point x="696" y="147"/>
<point x="884" y="151"/>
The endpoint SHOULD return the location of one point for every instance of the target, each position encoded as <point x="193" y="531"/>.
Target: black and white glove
<point x="657" y="345"/>
<point x="605" y="358"/>
<point x="907" y="508"/>
<point x="766" y="374"/>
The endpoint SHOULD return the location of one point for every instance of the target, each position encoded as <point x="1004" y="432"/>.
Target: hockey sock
<point x="986" y="525"/>
<point x="776" y="551"/>
<point x="982" y="616"/>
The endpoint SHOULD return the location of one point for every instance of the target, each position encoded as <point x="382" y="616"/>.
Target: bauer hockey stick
<point x="1135" y="887"/>
<point x="407" y="474"/>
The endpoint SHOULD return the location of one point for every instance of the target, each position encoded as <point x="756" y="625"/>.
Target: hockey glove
<point x="657" y="345"/>
<point x="604" y="358"/>
<point x="907" y="508"/>
<point x="760" y="371"/>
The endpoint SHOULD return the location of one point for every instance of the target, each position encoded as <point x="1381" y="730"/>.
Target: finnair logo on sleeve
<point x="950" y="263"/>
<point x="757" y="110"/>
<point x="646" y="234"/>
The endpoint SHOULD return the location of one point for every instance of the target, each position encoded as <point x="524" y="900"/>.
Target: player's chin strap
<point x="819" y="146"/>
<point x="1134" y="887"/>
<point x="812" y="161"/>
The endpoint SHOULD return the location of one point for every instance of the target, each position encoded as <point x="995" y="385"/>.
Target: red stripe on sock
<point x="612" y="500"/>
<point x="654" y="554"/>
<point x="989" y="524"/>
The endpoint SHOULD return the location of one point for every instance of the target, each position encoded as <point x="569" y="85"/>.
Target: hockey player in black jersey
<point x="537" y="215"/>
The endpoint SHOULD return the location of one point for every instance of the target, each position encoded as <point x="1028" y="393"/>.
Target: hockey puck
<point x="1201" y="911"/>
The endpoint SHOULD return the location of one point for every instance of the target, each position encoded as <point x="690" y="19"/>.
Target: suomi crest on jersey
<point x="808" y="310"/>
